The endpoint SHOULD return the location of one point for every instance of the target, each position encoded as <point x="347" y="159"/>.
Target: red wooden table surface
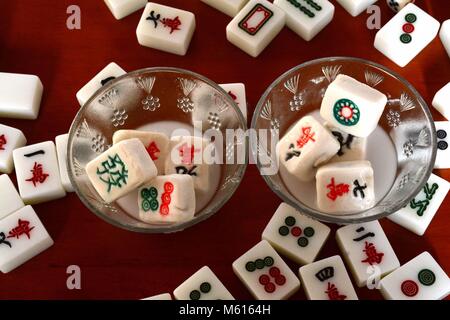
<point x="117" y="264"/>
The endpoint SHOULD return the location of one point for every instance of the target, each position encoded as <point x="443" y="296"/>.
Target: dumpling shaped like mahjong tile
<point x="294" y="235"/>
<point x="11" y="200"/>
<point x="327" y="279"/>
<point x="37" y="173"/>
<point x="156" y="144"/>
<point x="351" y="148"/>
<point x="191" y="155"/>
<point x="22" y="237"/>
<point x="367" y="251"/>
<point x="265" y="274"/>
<point x="169" y="198"/>
<point x="352" y="106"/>
<point x="422" y="278"/>
<point x="306" y="145"/>
<point x="307" y="18"/>
<point x="229" y="7"/>
<point x="441" y="102"/>
<point x="345" y="187"/>
<point x="202" y="285"/>
<point x="356" y="7"/>
<point x="418" y="214"/>
<point x="166" y="28"/>
<point x="121" y="169"/>
<point x="10" y="139"/>
<point x="406" y="34"/>
<point x="443" y="140"/>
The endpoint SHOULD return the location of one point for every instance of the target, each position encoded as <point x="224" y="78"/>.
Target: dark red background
<point x="117" y="264"/>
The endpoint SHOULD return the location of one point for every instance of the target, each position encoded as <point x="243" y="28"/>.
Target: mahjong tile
<point x="419" y="213"/>
<point x="123" y="8"/>
<point x="443" y="150"/>
<point x="307" y="17"/>
<point x="202" y="285"/>
<point x="351" y="148"/>
<point x="10" y="139"/>
<point x="294" y="235"/>
<point x="237" y="92"/>
<point x="22" y="236"/>
<point x="366" y="247"/>
<point x="20" y="95"/>
<point x="420" y="279"/>
<point x="166" y="28"/>
<point x="327" y="279"/>
<point x="11" y="200"/>
<point x="61" y="151"/>
<point x="255" y="26"/>
<point x="37" y="173"/>
<point x="441" y="102"/>
<point x="162" y="296"/>
<point x="110" y="72"/>
<point x="265" y="274"/>
<point x="397" y="5"/>
<point x="406" y="34"/>
<point x="444" y="34"/>
<point x="229" y="7"/>
<point x="356" y="7"/>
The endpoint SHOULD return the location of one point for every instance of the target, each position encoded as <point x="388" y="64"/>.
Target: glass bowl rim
<point x="239" y="173"/>
<point x="354" y="218"/>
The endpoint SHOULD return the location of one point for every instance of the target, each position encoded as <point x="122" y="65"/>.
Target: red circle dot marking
<point x="274" y="272"/>
<point x="264" y="279"/>
<point x="409" y="288"/>
<point x="280" y="280"/>
<point x="347" y="112"/>
<point x="164" y="210"/>
<point x="408" y="28"/>
<point x="296" y="231"/>
<point x="269" y="288"/>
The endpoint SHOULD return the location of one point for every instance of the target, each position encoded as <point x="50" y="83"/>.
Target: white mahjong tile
<point x="444" y="35"/>
<point x="11" y="200"/>
<point x="265" y="274"/>
<point x="166" y="28"/>
<point x="397" y="5"/>
<point x="110" y="72"/>
<point x="443" y="150"/>
<point x="20" y="95"/>
<point x="307" y="17"/>
<point x="365" y="248"/>
<point x="441" y="102"/>
<point x="255" y="26"/>
<point x="406" y="34"/>
<point x="237" y="92"/>
<point x="61" y="152"/>
<point x="162" y="296"/>
<point x="420" y="279"/>
<point x="121" y="169"/>
<point x="294" y="235"/>
<point x="356" y="7"/>
<point x="123" y="8"/>
<point x="419" y="213"/>
<point x="156" y="144"/>
<point x="22" y="236"/>
<point x="229" y="7"/>
<point x="327" y="279"/>
<point x="202" y="285"/>
<point x="351" y="148"/>
<point x="10" y="139"/>
<point x="37" y="173"/>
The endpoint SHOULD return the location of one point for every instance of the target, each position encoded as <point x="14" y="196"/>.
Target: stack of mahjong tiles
<point x="168" y="179"/>
<point x="332" y="150"/>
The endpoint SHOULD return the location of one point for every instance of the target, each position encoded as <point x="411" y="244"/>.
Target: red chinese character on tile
<point x="233" y="96"/>
<point x="173" y="24"/>
<point x="337" y="190"/>
<point x="333" y="293"/>
<point x="373" y="257"/>
<point x="38" y="174"/>
<point x="22" y="228"/>
<point x="2" y="142"/>
<point x="187" y="153"/>
<point x="153" y="150"/>
<point x="305" y="137"/>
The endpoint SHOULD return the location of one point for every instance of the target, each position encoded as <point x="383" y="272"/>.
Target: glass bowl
<point x="403" y="148"/>
<point x="164" y="99"/>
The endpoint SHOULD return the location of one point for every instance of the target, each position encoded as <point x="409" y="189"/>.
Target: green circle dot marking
<point x="302" y="242"/>
<point x="153" y="192"/>
<point x="268" y="261"/>
<point x="411" y="18"/>
<point x="290" y="221"/>
<point x="250" y="266"/>
<point x="427" y="277"/>
<point x="405" y="38"/>
<point x="284" y="231"/>
<point x="154" y="205"/>
<point x="146" y="205"/>
<point x="346" y="112"/>
<point x="309" y="232"/>
<point x="259" y="263"/>
<point x="145" y="193"/>
<point x="195" y="295"/>
<point x="205" y="287"/>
